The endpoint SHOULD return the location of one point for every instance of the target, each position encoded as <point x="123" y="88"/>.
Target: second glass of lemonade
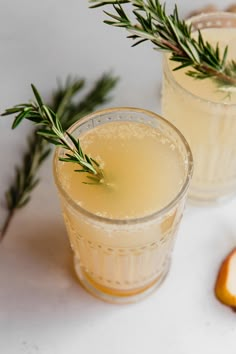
<point x="206" y="115"/>
<point x="122" y="231"/>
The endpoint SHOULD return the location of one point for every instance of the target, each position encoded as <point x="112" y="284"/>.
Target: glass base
<point x="118" y="296"/>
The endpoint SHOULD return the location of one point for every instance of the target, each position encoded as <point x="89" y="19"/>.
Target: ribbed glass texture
<point x="209" y="127"/>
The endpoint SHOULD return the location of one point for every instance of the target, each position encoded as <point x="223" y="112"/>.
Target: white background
<point x="43" y="310"/>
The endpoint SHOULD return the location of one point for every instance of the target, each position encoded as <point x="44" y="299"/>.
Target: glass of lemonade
<point x="122" y="231"/>
<point x="205" y="115"/>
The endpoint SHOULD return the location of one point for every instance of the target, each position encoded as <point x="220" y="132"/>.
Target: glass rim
<point x="128" y="221"/>
<point x="169" y="72"/>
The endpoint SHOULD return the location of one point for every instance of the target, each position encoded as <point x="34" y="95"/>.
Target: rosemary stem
<point x="218" y="74"/>
<point x="172" y="47"/>
<point x="6" y="223"/>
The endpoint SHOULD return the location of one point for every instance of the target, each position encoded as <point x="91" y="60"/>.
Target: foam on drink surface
<point x="143" y="171"/>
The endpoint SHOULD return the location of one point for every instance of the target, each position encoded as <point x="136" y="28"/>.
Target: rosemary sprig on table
<point x="25" y="180"/>
<point x="69" y="109"/>
<point x="169" y="33"/>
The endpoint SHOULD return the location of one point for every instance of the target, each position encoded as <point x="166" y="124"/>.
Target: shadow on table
<point x="38" y="280"/>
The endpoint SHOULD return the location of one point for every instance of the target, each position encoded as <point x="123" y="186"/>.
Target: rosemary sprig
<point x="68" y="111"/>
<point x="52" y="130"/>
<point x="169" y="33"/>
<point x="25" y="180"/>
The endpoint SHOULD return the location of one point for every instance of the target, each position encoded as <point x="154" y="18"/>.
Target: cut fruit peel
<point x="225" y="287"/>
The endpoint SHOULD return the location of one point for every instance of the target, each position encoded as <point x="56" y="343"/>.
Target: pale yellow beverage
<point x="206" y="115"/>
<point x="122" y="230"/>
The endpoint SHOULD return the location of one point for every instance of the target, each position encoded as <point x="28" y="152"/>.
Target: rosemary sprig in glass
<point x="51" y="130"/>
<point x="68" y="111"/>
<point x="170" y="34"/>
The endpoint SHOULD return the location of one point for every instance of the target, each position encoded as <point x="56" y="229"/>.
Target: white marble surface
<point x="43" y="310"/>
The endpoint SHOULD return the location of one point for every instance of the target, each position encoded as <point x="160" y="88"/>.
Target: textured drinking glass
<point x="121" y="260"/>
<point x="209" y="125"/>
